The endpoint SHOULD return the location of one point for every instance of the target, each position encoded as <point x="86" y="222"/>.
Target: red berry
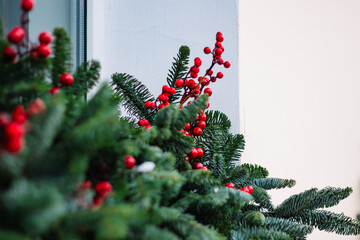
<point x="210" y="72"/>
<point x="195" y="69"/>
<point x="204" y="168"/>
<point x="217" y="56"/>
<point x="227" y="64"/>
<point x="66" y="79"/>
<point x="9" y="54"/>
<point x="230" y="185"/>
<point x="200" y="152"/>
<point x="143" y="122"/>
<point x="203" y="117"/>
<point x="43" y="50"/>
<point x="197" y="62"/>
<point x="165" y="89"/>
<point x="223" y="49"/>
<point x="207" y="50"/>
<point x="191" y="84"/>
<point x="166" y="104"/>
<point x="201" y="124"/>
<point x="242" y="189"/>
<point x="54" y="91"/>
<point x="14" y="145"/>
<point x="18" y="114"/>
<point x="179" y="83"/>
<point x="219" y="33"/>
<point x="186" y="159"/>
<point x="213" y="79"/>
<point x="219" y="75"/>
<point x="163" y="98"/>
<point x="161" y="106"/>
<point x="86" y="184"/>
<point x="172" y="90"/>
<point x="45" y="38"/>
<point x="27" y="5"/>
<point x="218" y="44"/>
<point x="130" y="162"/>
<point x="148" y="126"/>
<point x="102" y="189"/>
<point x="208" y="91"/>
<point x="208" y="105"/>
<point x="198" y="165"/>
<point x="219" y="38"/>
<point x="187" y="126"/>
<point x="34" y="54"/>
<point x="193" y="153"/>
<point x="193" y="75"/>
<point x="218" y="51"/>
<point x="249" y="189"/>
<point x="197" y="131"/>
<point x="150" y="105"/>
<point x="13" y="130"/>
<point x="220" y="61"/>
<point x="36" y="107"/>
<point x="16" y="35"/>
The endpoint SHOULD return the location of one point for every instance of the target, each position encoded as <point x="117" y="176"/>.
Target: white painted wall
<point x="141" y="37"/>
<point x="300" y="93"/>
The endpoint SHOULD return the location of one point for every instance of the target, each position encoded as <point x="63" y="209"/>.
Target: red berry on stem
<point x="13" y="130"/>
<point x="165" y="89"/>
<point x="207" y="50"/>
<point x="209" y="72"/>
<point x="36" y="107"/>
<point x="213" y="79"/>
<point x="148" y="127"/>
<point x="66" y="79"/>
<point x="197" y="131"/>
<point x="130" y="162"/>
<point x="191" y="84"/>
<point x="19" y="115"/>
<point x="45" y="38"/>
<point x="16" y="35"/>
<point x="195" y="69"/>
<point x="198" y="165"/>
<point x="204" y="168"/>
<point x="97" y="201"/>
<point x="187" y="126"/>
<point x="43" y="50"/>
<point x="102" y="188"/>
<point x="186" y="159"/>
<point x="230" y="185"/>
<point x="161" y="105"/>
<point x="227" y="64"/>
<point x="218" y="51"/>
<point x="249" y="189"/>
<point x="220" y="61"/>
<point x="200" y="152"/>
<point x="193" y="153"/>
<point x="9" y="54"/>
<point x="27" y="5"/>
<point x="197" y="62"/>
<point x="218" y="44"/>
<point x="179" y="83"/>
<point x="193" y="75"/>
<point x="219" y="33"/>
<point x="163" y="98"/>
<point x="208" y="105"/>
<point x="149" y="105"/>
<point x="219" y="38"/>
<point x="219" y="75"/>
<point x="54" y="91"/>
<point x="203" y="117"/>
<point x="201" y="124"/>
<point x="208" y="91"/>
<point x="172" y="90"/>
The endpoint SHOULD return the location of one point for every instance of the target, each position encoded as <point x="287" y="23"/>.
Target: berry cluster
<point x="248" y="189"/>
<point x="194" y="154"/>
<point x="102" y="191"/>
<point x="163" y="98"/>
<point x="19" y="38"/>
<point x="13" y="127"/>
<point x="144" y="123"/>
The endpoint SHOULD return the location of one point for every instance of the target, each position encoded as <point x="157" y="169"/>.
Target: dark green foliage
<point x="178" y="70"/>
<point x="134" y="95"/>
<point x="273" y="183"/>
<point x="61" y="62"/>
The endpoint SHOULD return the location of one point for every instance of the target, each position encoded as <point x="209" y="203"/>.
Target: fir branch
<point x="258" y="233"/>
<point x="273" y="183"/>
<point x="329" y="221"/>
<point x="311" y="200"/>
<point x="255" y="171"/>
<point x="134" y="95"/>
<point x="178" y="70"/>
<point x="294" y="229"/>
<point x="262" y="197"/>
<point x="61" y="61"/>
<point x="217" y="166"/>
<point x="217" y="120"/>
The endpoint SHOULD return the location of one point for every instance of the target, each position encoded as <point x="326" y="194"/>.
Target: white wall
<point x="141" y="38"/>
<point x="300" y="93"/>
